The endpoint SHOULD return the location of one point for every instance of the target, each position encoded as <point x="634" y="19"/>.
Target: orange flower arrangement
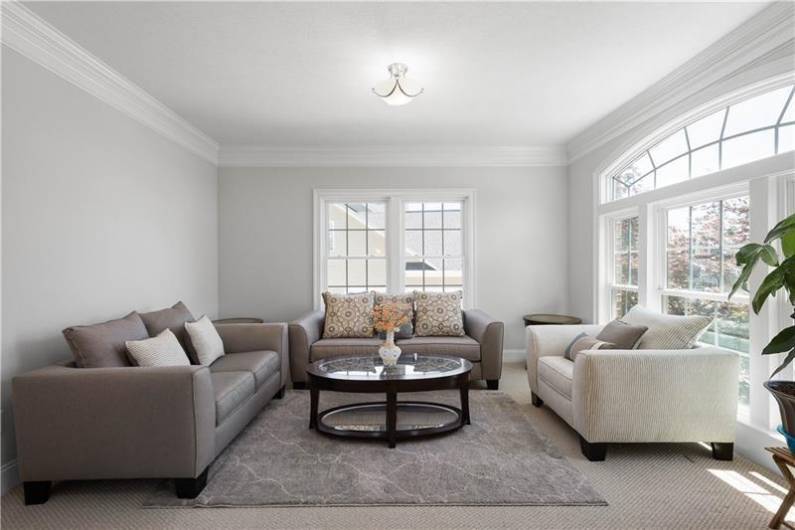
<point x="390" y="317"/>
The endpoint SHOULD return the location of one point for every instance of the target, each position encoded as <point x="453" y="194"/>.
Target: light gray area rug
<point x="497" y="460"/>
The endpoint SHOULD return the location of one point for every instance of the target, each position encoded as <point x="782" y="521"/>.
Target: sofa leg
<point x="36" y="492"/>
<point x="493" y="384"/>
<point x="299" y="385"/>
<point x="595" y="452"/>
<point x="537" y="401"/>
<point x="722" y="451"/>
<point x="280" y="393"/>
<point x="189" y="488"/>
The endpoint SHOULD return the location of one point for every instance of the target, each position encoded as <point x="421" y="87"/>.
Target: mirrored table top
<point x="370" y="367"/>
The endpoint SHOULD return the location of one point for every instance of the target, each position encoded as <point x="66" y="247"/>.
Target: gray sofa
<point x="139" y="422"/>
<point x="482" y="345"/>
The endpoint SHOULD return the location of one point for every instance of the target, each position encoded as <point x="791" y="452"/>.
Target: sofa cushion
<point x="262" y="364"/>
<point x="439" y="314"/>
<point x="231" y="390"/>
<point x="333" y="347"/>
<point x="465" y="346"/>
<point x="557" y="372"/>
<point x="103" y="345"/>
<point x="348" y="315"/>
<point x="172" y="318"/>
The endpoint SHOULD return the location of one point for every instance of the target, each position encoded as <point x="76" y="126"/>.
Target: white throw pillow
<point x="206" y="340"/>
<point x="667" y="332"/>
<point x="162" y="350"/>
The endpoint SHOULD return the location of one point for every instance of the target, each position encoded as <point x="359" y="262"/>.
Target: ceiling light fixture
<point x="397" y="90"/>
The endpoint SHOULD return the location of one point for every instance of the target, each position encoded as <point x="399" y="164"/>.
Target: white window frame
<point x="395" y="233"/>
<point x="607" y="260"/>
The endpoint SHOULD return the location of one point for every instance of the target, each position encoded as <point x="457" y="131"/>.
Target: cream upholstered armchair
<point x="614" y="396"/>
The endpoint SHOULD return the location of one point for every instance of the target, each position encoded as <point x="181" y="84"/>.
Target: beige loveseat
<point x="482" y="346"/>
<point x="144" y="422"/>
<point x="635" y="395"/>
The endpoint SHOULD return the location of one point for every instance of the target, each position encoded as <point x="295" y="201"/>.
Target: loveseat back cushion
<point x="348" y="315"/>
<point x="103" y="345"/>
<point x="263" y="364"/>
<point x="231" y="389"/>
<point x="173" y="318"/>
<point x="406" y="331"/>
<point x="465" y="346"/>
<point x="558" y="373"/>
<point x="439" y="314"/>
<point x="667" y="332"/>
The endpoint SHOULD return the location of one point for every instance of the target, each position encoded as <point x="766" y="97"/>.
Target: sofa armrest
<point x="304" y="332"/>
<point x="550" y="340"/>
<point x="103" y="423"/>
<point x="656" y="395"/>
<point x="489" y="333"/>
<point x="239" y="338"/>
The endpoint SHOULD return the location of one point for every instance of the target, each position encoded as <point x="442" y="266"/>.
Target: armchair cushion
<point x="231" y="390"/>
<point x="173" y="318"/>
<point x="262" y="364"/>
<point x="103" y="345"/>
<point x="558" y="373"/>
<point x="331" y="347"/>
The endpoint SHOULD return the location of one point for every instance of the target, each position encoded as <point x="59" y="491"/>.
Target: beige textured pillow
<point x="348" y="315"/>
<point x="439" y="314"/>
<point x="583" y="342"/>
<point x="205" y="340"/>
<point x="162" y="350"/>
<point x="667" y="332"/>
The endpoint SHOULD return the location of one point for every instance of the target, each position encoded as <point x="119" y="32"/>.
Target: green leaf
<point x="747" y="257"/>
<point x="783" y="228"/>
<point x="772" y="283"/>
<point x="784" y="341"/>
<point x="789" y="358"/>
<point x="788" y="244"/>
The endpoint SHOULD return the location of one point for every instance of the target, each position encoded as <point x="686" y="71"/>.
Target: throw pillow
<point x="406" y="331"/>
<point x="172" y="318"/>
<point x="583" y="342"/>
<point x="163" y="350"/>
<point x="102" y="345"/>
<point x="667" y="332"/>
<point x="439" y="314"/>
<point x="205" y="340"/>
<point x="622" y="335"/>
<point x="348" y="315"/>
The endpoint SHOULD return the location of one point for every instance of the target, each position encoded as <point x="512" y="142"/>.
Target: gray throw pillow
<point x="624" y="336"/>
<point x="103" y="345"/>
<point x="173" y="318"/>
<point x="583" y="342"/>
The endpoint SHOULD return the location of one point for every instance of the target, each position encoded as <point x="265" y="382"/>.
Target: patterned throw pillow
<point x="348" y="315"/>
<point x="406" y="331"/>
<point x="439" y="314"/>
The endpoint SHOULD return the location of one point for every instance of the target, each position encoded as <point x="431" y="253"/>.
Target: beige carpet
<point x="647" y="486"/>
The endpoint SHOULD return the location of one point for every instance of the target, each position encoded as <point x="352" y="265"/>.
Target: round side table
<point x="544" y="319"/>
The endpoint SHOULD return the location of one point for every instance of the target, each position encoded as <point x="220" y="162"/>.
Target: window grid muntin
<point x="366" y="257"/>
<point x="616" y="181"/>
<point x="442" y="231"/>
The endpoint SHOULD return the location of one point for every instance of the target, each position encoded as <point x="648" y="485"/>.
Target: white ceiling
<point x="299" y="74"/>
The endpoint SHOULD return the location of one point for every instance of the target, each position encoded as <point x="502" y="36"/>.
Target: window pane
<point x="413" y="273"/>
<point x="704" y="161"/>
<point x="376" y="215"/>
<point x="435" y="250"/>
<point x="356" y="215"/>
<point x="673" y="172"/>
<point x="376" y="243"/>
<point x="453" y="273"/>
<point x="433" y="218"/>
<point x="634" y="263"/>
<point x="433" y="243"/>
<point x="357" y="274"/>
<point x="623" y="301"/>
<point x="706" y="130"/>
<point x="634" y="225"/>
<point x="335" y="273"/>
<point x="413" y="220"/>
<point x="636" y="169"/>
<point x="621" y="274"/>
<point x="677" y="248"/>
<point x="748" y="148"/>
<point x="670" y="148"/>
<point x="643" y="185"/>
<point x="452" y="243"/>
<point x="621" y="231"/>
<point x="757" y="112"/>
<point x="452" y="215"/>
<point x="736" y="227"/>
<point x="706" y="235"/>
<point x="336" y="215"/>
<point x="786" y="138"/>
<point x="337" y="244"/>
<point x="376" y="272"/>
<point x="413" y="243"/>
<point x="433" y="272"/>
<point x="789" y="115"/>
<point x="356" y="243"/>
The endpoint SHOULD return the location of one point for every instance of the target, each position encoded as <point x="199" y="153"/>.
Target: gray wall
<point x="100" y="216"/>
<point x="266" y="252"/>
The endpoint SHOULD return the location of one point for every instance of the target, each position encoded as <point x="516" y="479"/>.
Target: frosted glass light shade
<point x="397" y="90"/>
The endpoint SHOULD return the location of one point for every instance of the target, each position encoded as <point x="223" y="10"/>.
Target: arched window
<point x="750" y="130"/>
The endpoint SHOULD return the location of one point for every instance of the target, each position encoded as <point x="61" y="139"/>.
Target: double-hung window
<point x="394" y="241"/>
<point x="625" y="264"/>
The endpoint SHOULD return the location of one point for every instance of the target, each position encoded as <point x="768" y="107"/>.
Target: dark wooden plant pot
<point x="784" y="392"/>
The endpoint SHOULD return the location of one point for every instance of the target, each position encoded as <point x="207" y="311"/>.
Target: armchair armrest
<point x="304" y="332"/>
<point x="656" y="395"/>
<point x="550" y="340"/>
<point x="489" y="333"/>
<point x="239" y="338"/>
<point x="98" y="423"/>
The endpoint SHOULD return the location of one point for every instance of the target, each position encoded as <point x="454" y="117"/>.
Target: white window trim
<point x="394" y="198"/>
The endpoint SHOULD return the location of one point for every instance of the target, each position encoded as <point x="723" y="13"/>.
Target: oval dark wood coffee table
<point x="367" y="374"/>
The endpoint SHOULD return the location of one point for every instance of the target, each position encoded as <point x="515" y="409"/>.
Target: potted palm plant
<point x="782" y="276"/>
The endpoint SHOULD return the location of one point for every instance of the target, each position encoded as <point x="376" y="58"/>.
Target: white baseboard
<point x="9" y="477"/>
<point x="751" y="442"/>
<point x="513" y="355"/>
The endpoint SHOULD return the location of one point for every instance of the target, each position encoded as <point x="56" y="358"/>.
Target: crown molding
<point x="26" y="33"/>
<point x="392" y="156"/>
<point x="742" y="49"/>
